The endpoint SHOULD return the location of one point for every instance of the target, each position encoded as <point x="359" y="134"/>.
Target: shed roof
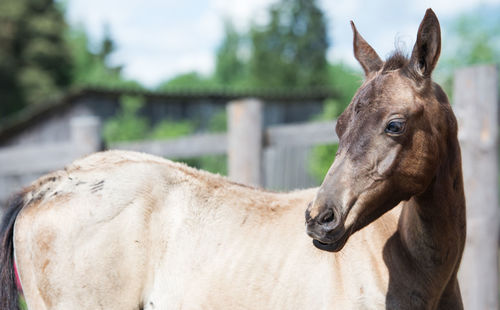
<point x="37" y="112"/>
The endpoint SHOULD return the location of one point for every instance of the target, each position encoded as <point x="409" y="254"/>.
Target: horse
<point x="125" y="230"/>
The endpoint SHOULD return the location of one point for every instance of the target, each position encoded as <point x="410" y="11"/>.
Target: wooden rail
<point x="191" y="146"/>
<point x="300" y="134"/>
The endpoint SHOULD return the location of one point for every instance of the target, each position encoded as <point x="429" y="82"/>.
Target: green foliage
<point x="288" y="52"/>
<point x="191" y="80"/>
<point x="35" y="63"/>
<point x="41" y="57"/>
<point x="218" y="122"/>
<point x="346" y="82"/>
<point x="477" y="40"/>
<point x="472" y="39"/>
<point x="230" y="68"/>
<point x="93" y="68"/>
<point x="291" y="50"/>
<point x="169" y="129"/>
<point x="126" y="125"/>
<point x="213" y="163"/>
<point x="321" y="159"/>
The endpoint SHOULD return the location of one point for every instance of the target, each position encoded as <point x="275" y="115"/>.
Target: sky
<point x="158" y="39"/>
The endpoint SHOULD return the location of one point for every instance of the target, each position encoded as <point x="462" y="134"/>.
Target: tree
<point x="191" y="80"/>
<point x="34" y="58"/>
<point x="288" y="52"/>
<point x="472" y="39"/>
<point x="291" y="50"/>
<point x="230" y="68"/>
<point x="475" y="38"/>
<point x="127" y="124"/>
<point x="93" y="68"/>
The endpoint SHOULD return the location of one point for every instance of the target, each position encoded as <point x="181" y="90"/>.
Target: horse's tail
<point x="8" y="289"/>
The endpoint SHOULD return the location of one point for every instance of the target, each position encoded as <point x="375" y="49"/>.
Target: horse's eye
<point x="395" y="127"/>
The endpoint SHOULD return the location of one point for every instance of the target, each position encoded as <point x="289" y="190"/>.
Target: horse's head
<point x="390" y="139"/>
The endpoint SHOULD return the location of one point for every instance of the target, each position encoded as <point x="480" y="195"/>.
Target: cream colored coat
<point x="123" y="230"/>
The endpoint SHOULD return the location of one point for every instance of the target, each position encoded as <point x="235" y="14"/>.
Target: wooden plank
<point x="287" y="168"/>
<point x="37" y="159"/>
<point x="305" y="134"/>
<point x="86" y="133"/>
<point x="245" y="141"/>
<point x="186" y="147"/>
<point x="476" y="108"/>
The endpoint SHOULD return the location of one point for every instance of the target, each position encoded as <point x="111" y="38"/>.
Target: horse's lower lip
<point x="332" y="243"/>
<point x="330" y="247"/>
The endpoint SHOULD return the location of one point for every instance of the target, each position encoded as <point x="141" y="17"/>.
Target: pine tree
<point x="34" y="59"/>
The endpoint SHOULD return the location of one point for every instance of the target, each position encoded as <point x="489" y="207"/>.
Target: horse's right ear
<point x="364" y="53"/>
<point x="426" y="51"/>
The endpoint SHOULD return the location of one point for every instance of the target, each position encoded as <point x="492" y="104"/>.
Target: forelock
<point x="397" y="60"/>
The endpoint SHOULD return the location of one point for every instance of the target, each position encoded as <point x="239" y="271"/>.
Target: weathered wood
<point x="86" y="134"/>
<point x="36" y="159"/>
<point x="185" y="147"/>
<point x="286" y="168"/>
<point x="21" y="165"/>
<point x="305" y="134"/>
<point x="245" y="141"/>
<point x="476" y="107"/>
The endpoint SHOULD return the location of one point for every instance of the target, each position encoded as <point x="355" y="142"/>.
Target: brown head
<point x="391" y="139"/>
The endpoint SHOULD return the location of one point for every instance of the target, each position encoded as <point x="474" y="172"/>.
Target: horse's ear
<point x="364" y="53"/>
<point x="428" y="46"/>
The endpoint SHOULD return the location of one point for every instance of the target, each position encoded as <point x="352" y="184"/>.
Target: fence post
<point x="86" y="134"/>
<point x="245" y="141"/>
<point x="476" y="107"/>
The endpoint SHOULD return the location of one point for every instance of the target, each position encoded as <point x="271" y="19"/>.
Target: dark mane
<point x="397" y="60"/>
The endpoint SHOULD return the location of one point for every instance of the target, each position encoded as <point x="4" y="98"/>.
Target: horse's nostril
<point x="328" y="217"/>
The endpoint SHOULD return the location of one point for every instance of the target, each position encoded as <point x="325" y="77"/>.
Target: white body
<point x="122" y="230"/>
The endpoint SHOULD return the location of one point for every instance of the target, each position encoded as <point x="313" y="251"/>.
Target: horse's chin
<point x="331" y="246"/>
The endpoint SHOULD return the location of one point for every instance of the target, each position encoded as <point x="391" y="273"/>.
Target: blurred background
<point x="157" y="70"/>
<point x="171" y="77"/>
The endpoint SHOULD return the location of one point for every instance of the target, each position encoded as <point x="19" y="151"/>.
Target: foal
<point x="398" y="143"/>
<point x="123" y="230"/>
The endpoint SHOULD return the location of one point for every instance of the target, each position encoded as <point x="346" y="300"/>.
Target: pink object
<point x="18" y="281"/>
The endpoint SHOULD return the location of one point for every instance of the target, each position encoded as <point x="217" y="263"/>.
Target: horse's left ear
<point x="364" y="53"/>
<point x="428" y="46"/>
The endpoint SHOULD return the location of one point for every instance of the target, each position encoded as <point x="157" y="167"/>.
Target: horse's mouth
<point x="334" y="246"/>
<point x="331" y="242"/>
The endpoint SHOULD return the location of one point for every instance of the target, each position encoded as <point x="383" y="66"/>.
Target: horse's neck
<point x="432" y="224"/>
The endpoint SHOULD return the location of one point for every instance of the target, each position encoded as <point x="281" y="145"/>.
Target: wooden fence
<point x="272" y="157"/>
<point x="259" y="156"/>
<point x="20" y="165"/>
<point x="476" y="107"/>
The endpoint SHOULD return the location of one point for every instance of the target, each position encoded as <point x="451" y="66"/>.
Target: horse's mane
<point x="397" y="60"/>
